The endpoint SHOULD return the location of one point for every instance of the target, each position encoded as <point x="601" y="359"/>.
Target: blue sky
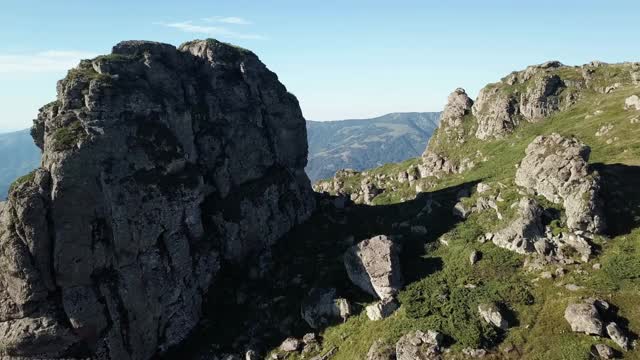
<point x="342" y="59"/>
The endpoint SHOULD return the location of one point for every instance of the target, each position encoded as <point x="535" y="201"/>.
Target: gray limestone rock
<point x="584" y="317"/>
<point x="157" y="163"/>
<point x="492" y="315"/>
<point x="418" y="345"/>
<point x="374" y="266"/>
<point x="380" y="350"/>
<point x="632" y="103"/>
<point x="382" y="309"/>
<point x="525" y="231"/>
<point x="321" y="307"/>
<point x="603" y="351"/>
<point x="556" y="167"/>
<point x="617" y="335"/>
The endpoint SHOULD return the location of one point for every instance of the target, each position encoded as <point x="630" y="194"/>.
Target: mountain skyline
<point x="340" y="63"/>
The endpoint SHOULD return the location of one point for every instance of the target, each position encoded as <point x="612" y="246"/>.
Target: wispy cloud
<point x="233" y="20"/>
<point x="216" y="26"/>
<point x="42" y="62"/>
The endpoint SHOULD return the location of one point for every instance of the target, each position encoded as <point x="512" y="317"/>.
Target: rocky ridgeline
<point x="530" y="95"/>
<point x="159" y="166"/>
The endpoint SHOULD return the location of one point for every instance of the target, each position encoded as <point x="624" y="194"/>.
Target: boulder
<point x="603" y="351"/>
<point x="290" y="344"/>
<point x="374" y="266"/>
<point x="584" y="317"/>
<point x="632" y="103"/>
<point x="380" y="350"/>
<point x="382" y="309"/>
<point x="474" y="257"/>
<point x="482" y="187"/>
<point x="369" y="190"/>
<point x="474" y="353"/>
<point x="617" y="335"/>
<point x="557" y="168"/>
<point x="492" y="315"/>
<point x="461" y="211"/>
<point x="251" y="355"/>
<point x="321" y="307"/>
<point x="418" y="345"/>
<point x="523" y="233"/>
<point x="157" y="164"/>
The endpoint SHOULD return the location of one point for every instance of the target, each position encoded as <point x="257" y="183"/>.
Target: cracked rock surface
<point x="159" y="165"/>
<point x="557" y="168"/>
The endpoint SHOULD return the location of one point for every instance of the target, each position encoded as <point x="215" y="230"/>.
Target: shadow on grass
<point x="621" y="196"/>
<point x="257" y="307"/>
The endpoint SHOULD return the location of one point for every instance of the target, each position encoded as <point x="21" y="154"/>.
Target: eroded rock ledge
<point x="159" y="164"/>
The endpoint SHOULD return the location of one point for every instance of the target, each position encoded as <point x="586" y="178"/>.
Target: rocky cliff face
<point x="531" y="95"/>
<point x="159" y="165"/>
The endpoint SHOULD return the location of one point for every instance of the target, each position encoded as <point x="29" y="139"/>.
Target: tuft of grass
<point x="66" y="137"/>
<point x="21" y="180"/>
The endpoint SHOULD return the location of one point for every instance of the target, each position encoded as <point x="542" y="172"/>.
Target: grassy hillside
<point x="537" y="305"/>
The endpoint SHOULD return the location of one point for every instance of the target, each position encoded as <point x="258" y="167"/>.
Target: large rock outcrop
<point x="531" y="94"/>
<point x="159" y="164"/>
<point x="557" y="168"/>
<point x="450" y="130"/>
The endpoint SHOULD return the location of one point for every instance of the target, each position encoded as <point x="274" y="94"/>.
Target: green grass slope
<point x="537" y="305"/>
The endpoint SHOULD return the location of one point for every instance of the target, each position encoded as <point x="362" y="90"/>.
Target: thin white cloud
<point x="233" y="20"/>
<point x="42" y="62"/>
<point x="214" y="31"/>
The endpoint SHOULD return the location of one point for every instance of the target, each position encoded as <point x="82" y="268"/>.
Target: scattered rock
<point x="310" y="338"/>
<point x="380" y="350"/>
<point x="474" y="353"/>
<point x="609" y="89"/>
<point x="546" y="275"/>
<point x="461" y="210"/>
<point x="492" y="315"/>
<point x="251" y="355"/>
<point x="603" y="351"/>
<point x="573" y="287"/>
<point x="419" y="345"/>
<point x="171" y="161"/>
<point x="632" y="103"/>
<point x="321" y="307"/>
<point x="369" y="190"/>
<point x="435" y="165"/>
<point x="482" y="187"/>
<point x="291" y="344"/>
<point x="374" y="266"/>
<point x="584" y="317"/>
<point x="521" y="235"/>
<point x="604" y="130"/>
<point x="381" y="309"/>
<point x="419" y="229"/>
<point x="474" y="257"/>
<point x="617" y="335"/>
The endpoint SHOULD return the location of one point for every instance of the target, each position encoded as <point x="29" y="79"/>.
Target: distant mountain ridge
<point x="333" y="145"/>
<point x="18" y="156"/>
<point x="366" y="143"/>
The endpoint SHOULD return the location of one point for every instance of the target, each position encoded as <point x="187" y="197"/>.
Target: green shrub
<point x="21" y="180"/>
